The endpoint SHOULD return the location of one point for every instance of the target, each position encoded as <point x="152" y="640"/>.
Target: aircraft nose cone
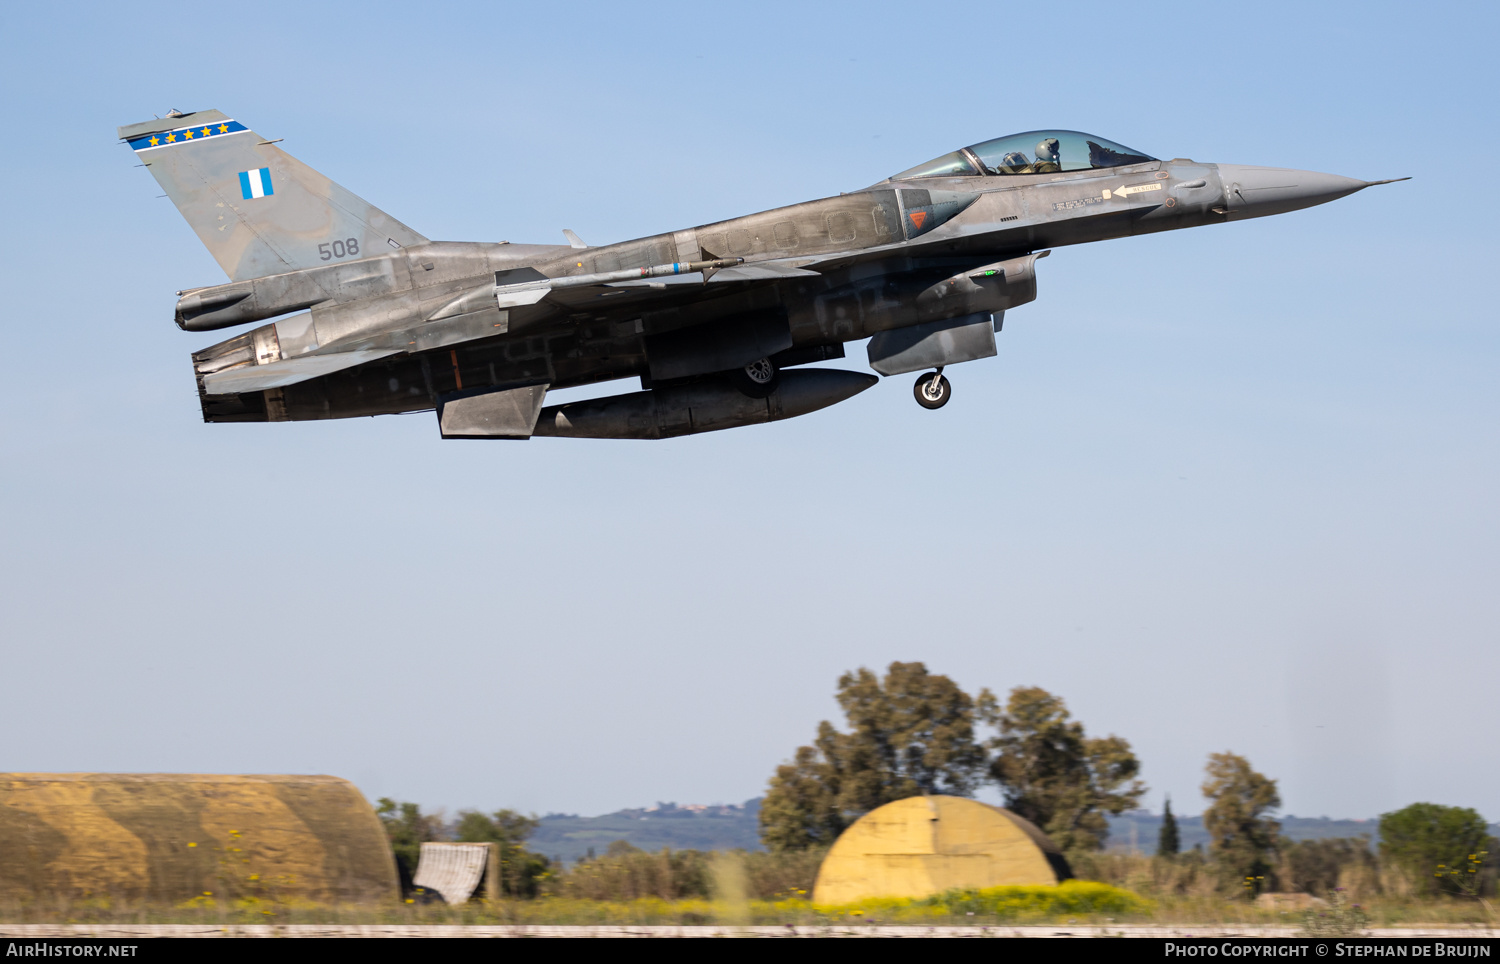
<point x="1254" y="192"/>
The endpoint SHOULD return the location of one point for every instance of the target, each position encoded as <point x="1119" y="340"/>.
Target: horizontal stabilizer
<point x="259" y="378"/>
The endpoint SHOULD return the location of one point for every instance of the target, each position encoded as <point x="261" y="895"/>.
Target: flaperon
<point x="373" y="318"/>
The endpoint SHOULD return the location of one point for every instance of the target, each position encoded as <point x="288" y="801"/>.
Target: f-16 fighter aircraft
<point x="373" y="318"/>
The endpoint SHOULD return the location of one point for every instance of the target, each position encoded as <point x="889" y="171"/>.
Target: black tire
<point x="930" y="395"/>
<point x="757" y="379"/>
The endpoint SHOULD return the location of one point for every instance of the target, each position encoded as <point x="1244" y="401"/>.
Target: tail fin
<point x="259" y="210"/>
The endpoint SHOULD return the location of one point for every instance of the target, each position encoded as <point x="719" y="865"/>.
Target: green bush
<point x="1424" y="837"/>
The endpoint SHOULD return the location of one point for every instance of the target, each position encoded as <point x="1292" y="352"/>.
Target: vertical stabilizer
<point x="259" y="210"/>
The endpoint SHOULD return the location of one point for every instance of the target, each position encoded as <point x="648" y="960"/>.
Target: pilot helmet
<point x="1015" y="160"/>
<point x="1046" y="150"/>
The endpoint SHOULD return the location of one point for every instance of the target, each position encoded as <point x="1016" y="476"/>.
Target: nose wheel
<point x="932" y="390"/>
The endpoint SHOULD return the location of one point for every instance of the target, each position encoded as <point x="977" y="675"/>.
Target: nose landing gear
<point x="932" y="389"/>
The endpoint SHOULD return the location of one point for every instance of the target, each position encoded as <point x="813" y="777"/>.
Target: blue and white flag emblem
<point x="256" y="183"/>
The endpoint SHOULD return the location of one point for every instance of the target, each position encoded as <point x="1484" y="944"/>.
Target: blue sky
<point x="1223" y="489"/>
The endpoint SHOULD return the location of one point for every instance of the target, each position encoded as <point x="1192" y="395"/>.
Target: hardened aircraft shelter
<point x="925" y="845"/>
<point x="164" y="837"/>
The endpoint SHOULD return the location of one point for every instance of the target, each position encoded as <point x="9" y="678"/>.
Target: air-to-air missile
<point x="368" y="317"/>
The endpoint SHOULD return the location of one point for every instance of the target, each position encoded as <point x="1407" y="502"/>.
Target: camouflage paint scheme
<point x="172" y="837"/>
<point x="374" y="318"/>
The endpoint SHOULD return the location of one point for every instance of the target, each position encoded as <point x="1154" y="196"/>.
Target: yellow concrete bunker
<point x="170" y="837"/>
<point x="926" y="845"/>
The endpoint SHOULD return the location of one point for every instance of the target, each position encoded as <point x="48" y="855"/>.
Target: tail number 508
<point x="339" y="249"/>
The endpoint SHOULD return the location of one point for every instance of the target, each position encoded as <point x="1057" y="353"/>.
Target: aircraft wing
<point x="469" y="316"/>
<point x="476" y="314"/>
<point x="659" y="285"/>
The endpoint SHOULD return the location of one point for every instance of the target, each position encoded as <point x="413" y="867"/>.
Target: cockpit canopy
<point x="1034" y="152"/>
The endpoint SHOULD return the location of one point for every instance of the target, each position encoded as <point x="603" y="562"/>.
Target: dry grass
<point x="651" y="910"/>
<point x="690" y="887"/>
<point x="1190" y="890"/>
<point x="1181" y="910"/>
<point x="675" y="875"/>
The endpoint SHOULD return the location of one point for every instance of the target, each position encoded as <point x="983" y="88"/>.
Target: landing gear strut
<point x="932" y="389"/>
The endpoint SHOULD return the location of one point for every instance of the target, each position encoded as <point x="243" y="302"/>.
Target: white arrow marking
<point x="1134" y="189"/>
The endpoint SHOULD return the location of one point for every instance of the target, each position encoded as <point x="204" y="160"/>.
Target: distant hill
<point x="735" y="826"/>
<point x="1138" y="830"/>
<point x="690" y="827"/>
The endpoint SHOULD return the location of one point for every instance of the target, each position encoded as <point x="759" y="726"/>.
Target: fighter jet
<point x="717" y="321"/>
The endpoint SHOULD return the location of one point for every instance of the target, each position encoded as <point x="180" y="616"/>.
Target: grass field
<point x="1076" y="902"/>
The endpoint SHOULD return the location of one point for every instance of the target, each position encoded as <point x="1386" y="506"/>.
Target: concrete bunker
<point x="165" y="837"/>
<point x="925" y="845"/>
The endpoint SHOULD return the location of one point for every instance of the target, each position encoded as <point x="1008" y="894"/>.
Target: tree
<point x="800" y="809"/>
<point x="408" y="828"/>
<point x="520" y="869"/>
<point x="1421" y="837"/>
<point x="1169" y="841"/>
<point x="1054" y="775"/>
<point x="1240" y="830"/>
<point x="910" y="733"/>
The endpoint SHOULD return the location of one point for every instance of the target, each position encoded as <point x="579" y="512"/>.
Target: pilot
<point x="1047" y="158"/>
<point x="1014" y="163"/>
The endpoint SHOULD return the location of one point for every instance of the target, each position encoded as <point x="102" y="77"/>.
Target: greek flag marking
<point x="255" y="184"/>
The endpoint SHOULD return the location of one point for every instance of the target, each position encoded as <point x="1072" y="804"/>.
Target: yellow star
<point x="205" y="132"/>
<point x="188" y="134"/>
<point x="171" y="138"/>
<point x="155" y="141"/>
<point x="223" y="128"/>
